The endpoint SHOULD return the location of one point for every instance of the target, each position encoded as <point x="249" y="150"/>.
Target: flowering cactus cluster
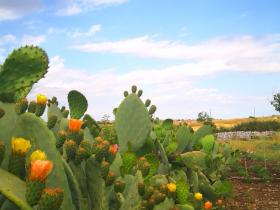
<point x="72" y="162"/>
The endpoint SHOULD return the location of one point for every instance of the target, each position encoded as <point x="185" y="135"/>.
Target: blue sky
<point x="187" y="56"/>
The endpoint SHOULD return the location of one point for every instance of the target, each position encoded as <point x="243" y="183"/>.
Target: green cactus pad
<point x="194" y="159"/>
<point x="208" y="143"/>
<point x="133" y="123"/>
<point x="183" y="137"/>
<point x="14" y="189"/>
<point x="27" y="127"/>
<point x="182" y="191"/>
<point x="77" y="104"/>
<point x="23" y="67"/>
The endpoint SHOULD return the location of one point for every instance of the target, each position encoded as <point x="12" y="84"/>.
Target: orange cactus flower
<point x="40" y="169"/>
<point x="219" y="202"/>
<point x="113" y="149"/>
<point x="74" y="125"/>
<point x="208" y="205"/>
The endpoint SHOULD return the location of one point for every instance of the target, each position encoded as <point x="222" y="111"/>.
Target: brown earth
<point x="254" y="196"/>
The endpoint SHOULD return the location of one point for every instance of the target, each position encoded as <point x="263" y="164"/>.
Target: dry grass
<point x="229" y="123"/>
<point x="268" y="148"/>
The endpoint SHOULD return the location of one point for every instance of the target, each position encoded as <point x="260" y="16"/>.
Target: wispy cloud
<point x="13" y="9"/>
<point x="92" y="30"/>
<point x="244" y="53"/>
<point x="172" y="89"/>
<point x="8" y="38"/>
<point x="75" y="7"/>
<point x="33" y="40"/>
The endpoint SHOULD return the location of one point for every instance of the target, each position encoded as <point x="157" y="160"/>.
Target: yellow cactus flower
<point x="38" y="155"/>
<point x="41" y="99"/>
<point x="171" y="187"/>
<point x="198" y="196"/>
<point x="20" y="146"/>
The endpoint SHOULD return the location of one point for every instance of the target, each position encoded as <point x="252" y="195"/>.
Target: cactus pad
<point x="133" y="123"/>
<point x="23" y="67"/>
<point x="77" y="103"/>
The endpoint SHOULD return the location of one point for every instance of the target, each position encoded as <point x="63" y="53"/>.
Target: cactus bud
<point x="110" y="178"/>
<point x="62" y="108"/>
<point x="65" y="113"/>
<point x="152" y="109"/>
<point x="51" y="199"/>
<point x="139" y="93"/>
<point x="2" y="151"/>
<point x="87" y="146"/>
<point x="51" y="121"/>
<point x="80" y="155"/>
<point x="32" y="107"/>
<point x="147" y="102"/>
<point x="38" y="155"/>
<point x="21" y="106"/>
<point x="20" y="147"/>
<point x="70" y="148"/>
<point x="141" y="188"/>
<point x="61" y="138"/>
<point x="104" y="168"/>
<point x="40" y="109"/>
<point x="2" y="112"/>
<point x="134" y="88"/>
<point x="125" y="93"/>
<point x="119" y="186"/>
<point x="34" y="191"/>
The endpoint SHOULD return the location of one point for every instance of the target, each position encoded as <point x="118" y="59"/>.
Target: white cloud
<point x="244" y="53"/>
<point x="75" y="7"/>
<point x="172" y="89"/>
<point x="33" y="40"/>
<point x="12" y="9"/>
<point x="92" y="30"/>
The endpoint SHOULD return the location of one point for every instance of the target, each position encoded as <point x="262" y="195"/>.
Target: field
<point x="229" y="123"/>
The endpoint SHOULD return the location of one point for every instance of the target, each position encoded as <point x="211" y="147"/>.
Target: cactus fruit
<point x="134" y="88"/>
<point x="51" y="121"/>
<point x="51" y="199"/>
<point x="147" y="102"/>
<point x="20" y="147"/>
<point x="32" y="107"/>
<point x="71" y="149"/>
<point x="21" y="69"/>
<point x="21" y="106"/>
<point x="152" y="109"/>
<point x="119" y="186"/>
<point x="61" y="138"/>
<point x="125" y="93"/>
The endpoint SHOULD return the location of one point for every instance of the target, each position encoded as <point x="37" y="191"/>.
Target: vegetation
<point x="71" y="162"/>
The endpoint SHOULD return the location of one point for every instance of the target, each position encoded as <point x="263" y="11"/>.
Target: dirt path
<point x="255" y="196"/>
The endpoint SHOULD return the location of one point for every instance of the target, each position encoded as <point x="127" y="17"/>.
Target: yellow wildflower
<point x="171" y="187"/>
<point x="198" y="196"/>
<point x="38" y="155"/>
<point x="41" y="99"/>
<point x="20" y="146"/>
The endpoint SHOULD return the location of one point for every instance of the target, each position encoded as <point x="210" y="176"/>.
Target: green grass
<point x="268" y="148"/>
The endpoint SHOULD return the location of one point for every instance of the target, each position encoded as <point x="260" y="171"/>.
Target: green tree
<point x="276" y="102"/>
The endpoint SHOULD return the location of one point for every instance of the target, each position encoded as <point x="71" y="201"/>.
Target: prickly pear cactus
<point x="23" y="67"/>
<point x="133" y="124"/>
